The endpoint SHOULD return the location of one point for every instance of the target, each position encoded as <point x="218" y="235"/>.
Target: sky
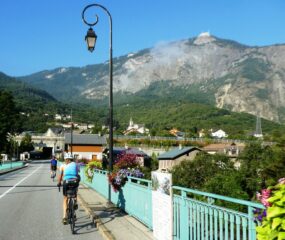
<point x="37" y="35"/>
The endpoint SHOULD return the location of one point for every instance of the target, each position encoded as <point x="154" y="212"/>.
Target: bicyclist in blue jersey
<point x="69" y="174"/>
<point x="53" y="166"/>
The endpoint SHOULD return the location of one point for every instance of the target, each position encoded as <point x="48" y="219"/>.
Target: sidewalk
<point x="111" y="222"/>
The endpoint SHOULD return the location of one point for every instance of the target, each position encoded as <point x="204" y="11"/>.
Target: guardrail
<point x="134" y="198"/>
<point x="10" y="165"/>
<point x="197" y="220"/>
<point x="196" y="214"/>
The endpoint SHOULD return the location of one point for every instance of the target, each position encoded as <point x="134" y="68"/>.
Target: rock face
<point x="240" y="78"/>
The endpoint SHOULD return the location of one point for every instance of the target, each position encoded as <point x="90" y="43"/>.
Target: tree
<point x="9" y="116"/>
<point x="227" y="185"/>
<point x="195" y="174"/>
<point x="254" y="159"/>
<point x="26" y="144"/>
<point x="274" y="168"/>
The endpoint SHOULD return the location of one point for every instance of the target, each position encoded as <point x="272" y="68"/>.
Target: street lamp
<point x="90" y="39"/>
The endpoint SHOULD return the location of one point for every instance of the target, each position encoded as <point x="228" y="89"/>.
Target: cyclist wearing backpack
<point x="69" y="174"/>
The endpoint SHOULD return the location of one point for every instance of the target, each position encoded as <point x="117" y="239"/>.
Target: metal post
<point x="17" y="151"/>
<point x="71" y="138"/>
<point x="111" y="85"/>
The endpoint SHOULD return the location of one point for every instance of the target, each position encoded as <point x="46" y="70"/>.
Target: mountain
<point x="27" y="97"/>
<point x="161" y="106"/>
<point x="204" y="69"/>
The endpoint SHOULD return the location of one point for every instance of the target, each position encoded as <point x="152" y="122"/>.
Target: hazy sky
<point x="36" y="35"/>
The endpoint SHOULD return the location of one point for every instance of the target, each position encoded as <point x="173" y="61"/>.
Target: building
<point x="85" y="146"/>
<point x="202" y="133"/>
<point x="143" y="159"/>
<point x="136" y="128"/>
<point x="219" y="134"/>
<point x="231" y="150"/>
<point x="58" y="117"/>
<point x="175" y="132"/>
<point x="173" y="157"/>
<point x="52" y="141"/>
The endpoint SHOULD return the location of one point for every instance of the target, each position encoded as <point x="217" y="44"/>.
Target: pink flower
<point x="263" y="197"/>
<point x="265" y="202"/>
<point x="266" y="193"/>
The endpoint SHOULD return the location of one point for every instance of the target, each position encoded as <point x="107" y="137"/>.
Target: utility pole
<point x="71" y="133"/>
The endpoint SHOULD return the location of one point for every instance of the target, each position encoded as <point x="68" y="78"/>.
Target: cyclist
<point x="53" y="166"/>
<point x="68" y="172"/>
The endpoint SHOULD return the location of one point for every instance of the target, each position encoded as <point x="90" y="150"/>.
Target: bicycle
<point x="53" y="175"/>
<point x="71" y="203"/>
<point x="53" y="169"/>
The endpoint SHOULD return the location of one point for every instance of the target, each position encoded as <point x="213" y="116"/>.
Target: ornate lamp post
<point x="90" y="39"/>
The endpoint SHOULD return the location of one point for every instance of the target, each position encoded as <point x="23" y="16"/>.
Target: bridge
<point x="196" y="215"/>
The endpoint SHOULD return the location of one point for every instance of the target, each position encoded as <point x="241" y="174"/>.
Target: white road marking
<point x="10" y="189"/>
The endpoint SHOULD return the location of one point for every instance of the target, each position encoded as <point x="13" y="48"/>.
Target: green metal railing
<point x="10" y="165"/>
<point x="197" y="215"/>
<point x="199" y="220"/>
<point x="134" y="198"/>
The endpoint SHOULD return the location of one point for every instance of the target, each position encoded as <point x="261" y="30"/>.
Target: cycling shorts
<point x="70" y="187"/>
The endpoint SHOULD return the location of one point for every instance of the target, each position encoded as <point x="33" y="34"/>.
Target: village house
<point x="175" y="132"/>
<point x="85" y="146"/>
<point x="57" y="117"/>
<point x="219" y="134"/>
<point x="143" y="159"/>
<point x="231" y="150"/>
<point x="173" y="157"/>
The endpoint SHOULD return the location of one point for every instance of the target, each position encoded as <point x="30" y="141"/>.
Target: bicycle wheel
<point x="71" y="216"/>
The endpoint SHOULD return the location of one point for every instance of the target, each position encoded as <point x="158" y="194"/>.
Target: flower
<point x="118" y="179"/>
<point x="126" y="166"/>
<point x="263" y="197"/>
<point x="271" y="218"/>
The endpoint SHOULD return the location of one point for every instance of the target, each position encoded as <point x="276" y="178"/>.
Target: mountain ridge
<point x="235" y="76"/>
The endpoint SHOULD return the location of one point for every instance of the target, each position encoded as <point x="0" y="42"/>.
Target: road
<point x="31" y="208"/>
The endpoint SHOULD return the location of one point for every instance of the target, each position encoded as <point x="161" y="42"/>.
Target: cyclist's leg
<point x="64" y="206"/>
<point x="64" y="219"/>
<point x="64" y="202"/>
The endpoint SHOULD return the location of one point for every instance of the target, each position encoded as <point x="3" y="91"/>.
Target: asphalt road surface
<point x="31" y="208"/>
